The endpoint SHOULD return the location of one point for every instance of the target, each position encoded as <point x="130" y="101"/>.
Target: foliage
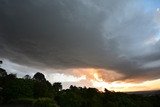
<point x="39" y="77"/>
<point x="22" y="101"/>
<point x="40" y="89"/>
<point x="3" y="72"/>
<point x="27" y="77"/>
<point x="45" y="102"/>
<point x="57" y="86"/>
<point x="40" y="102"/>
<point x="1" y="62"/>
<point x="18" y="88"/>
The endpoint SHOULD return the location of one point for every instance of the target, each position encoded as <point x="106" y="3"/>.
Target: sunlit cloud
<point x="99" y="74"/>
<point x="153" y="40"/>
<point x="126" y="87"/>
<point x="57" y="77"/>
<point x="89" y="77"/>
<point x="96" y="80"/>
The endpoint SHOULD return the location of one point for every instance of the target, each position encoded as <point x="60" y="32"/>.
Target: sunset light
<point x="95" y="78"/>
<point x="80" y="53"/>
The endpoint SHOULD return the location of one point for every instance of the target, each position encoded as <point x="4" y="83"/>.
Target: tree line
<point x="36" y="91"/>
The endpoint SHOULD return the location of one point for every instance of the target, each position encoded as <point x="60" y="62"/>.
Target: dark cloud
<point x="108" y="34"/>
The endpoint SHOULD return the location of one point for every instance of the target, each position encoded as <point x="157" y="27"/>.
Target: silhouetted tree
<point x="3" y="72"/>
<point x="57" y="86"/>
<point x="39" y="77"/>
<point x="1" y="62"/>
<point x="27" y="77"/>
<point x="18" y="88"/>
<point x="106" y="91"/>
<point x="40" y="89"/>
<point x="73" y="87"/>
<point x="11" y="76"/>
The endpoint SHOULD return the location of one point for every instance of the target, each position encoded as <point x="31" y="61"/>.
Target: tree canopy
<point x="39" y="77"/>
<point x="1" y="62"/>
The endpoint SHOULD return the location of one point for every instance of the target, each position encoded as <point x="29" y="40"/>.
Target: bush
<point x="41" y="102"/>
<point x="23" y="101"/>
<point x="45" y="102"/>
<point x="1" y="100"/>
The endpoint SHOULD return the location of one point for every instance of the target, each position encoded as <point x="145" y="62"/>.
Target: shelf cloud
<point x="121" y="36"/>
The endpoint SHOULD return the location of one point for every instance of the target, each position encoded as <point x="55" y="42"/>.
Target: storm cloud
<point x="122" y="36"/>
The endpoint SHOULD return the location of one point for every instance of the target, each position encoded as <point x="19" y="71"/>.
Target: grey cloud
<point x="64" y="34"/>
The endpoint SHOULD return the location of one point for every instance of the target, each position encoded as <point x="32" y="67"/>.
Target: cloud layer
<point x="122" y="36"/>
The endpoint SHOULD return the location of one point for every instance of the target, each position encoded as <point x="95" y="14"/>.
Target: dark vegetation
<point x="38" y="92"/>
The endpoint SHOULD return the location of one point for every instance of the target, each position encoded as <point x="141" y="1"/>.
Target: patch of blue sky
<point x="149" y="5"/>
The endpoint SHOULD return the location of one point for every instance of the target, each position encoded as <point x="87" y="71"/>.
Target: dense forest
<point x="36" y="91"/>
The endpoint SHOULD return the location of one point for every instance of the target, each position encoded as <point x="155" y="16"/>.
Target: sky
<point x="95" y="43"/>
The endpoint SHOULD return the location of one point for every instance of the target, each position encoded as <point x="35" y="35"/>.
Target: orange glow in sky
<point x="97" y="79"/>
